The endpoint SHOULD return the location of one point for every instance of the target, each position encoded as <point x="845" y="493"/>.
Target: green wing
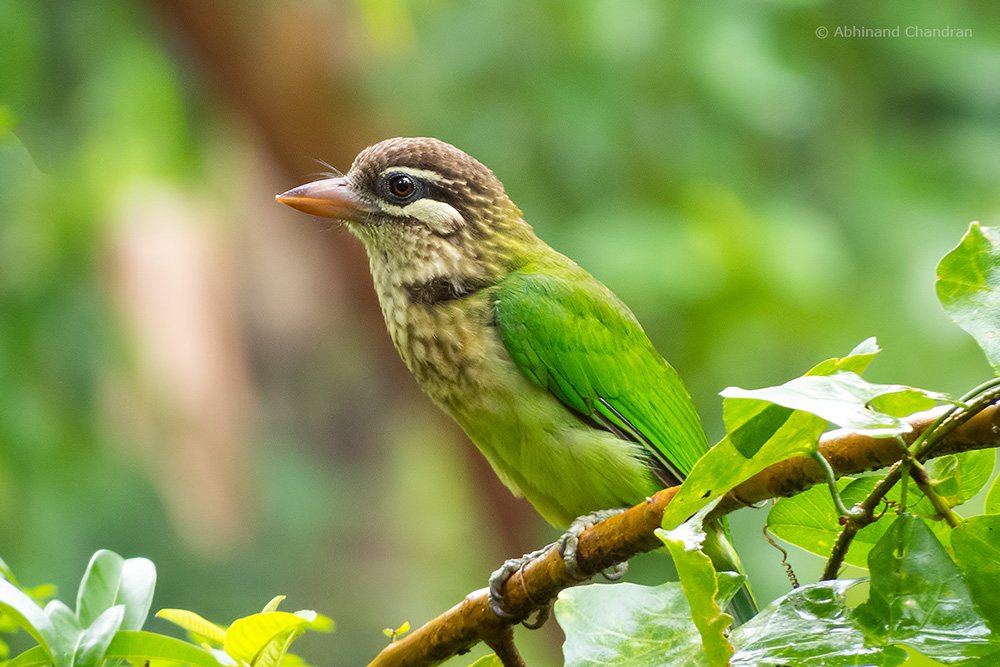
<point x="568" y="333"/>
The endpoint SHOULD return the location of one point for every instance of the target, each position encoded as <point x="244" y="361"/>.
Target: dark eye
<point x="401" y="185"/>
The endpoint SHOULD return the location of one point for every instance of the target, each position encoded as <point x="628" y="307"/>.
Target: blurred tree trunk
<point x="186" y="407"/>
<point x="272" y="64"/>
<point x="289" y="71"/>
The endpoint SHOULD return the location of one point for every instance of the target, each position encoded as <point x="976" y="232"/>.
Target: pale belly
<point x="562" y="466"/>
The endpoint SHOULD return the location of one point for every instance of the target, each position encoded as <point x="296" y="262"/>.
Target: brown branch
<point x="851" y="453"/>
<point x="622" y="536"/>
<point x="945" y="422"/>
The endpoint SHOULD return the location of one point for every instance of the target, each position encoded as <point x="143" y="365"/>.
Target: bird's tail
<point x="742" y="607"/>
<point x="718" y="547"/>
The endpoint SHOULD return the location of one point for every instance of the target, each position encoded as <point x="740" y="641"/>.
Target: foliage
<point x="932" y="585"/>
<point x="111" y="607"/>
<point x="393" y="635"/>
<point x="760" y="433"/>
<point x="701" y="588"/>
<point x="761" y="198"/>
<point x="627" y="624"/>
<point x="966" y="280"/>
<point x="9" y="622"/>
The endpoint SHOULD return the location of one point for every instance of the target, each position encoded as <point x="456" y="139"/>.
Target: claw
<point x="570" y="540"/>
<point x="499" y="578"/>
<point x="567" y="545"/>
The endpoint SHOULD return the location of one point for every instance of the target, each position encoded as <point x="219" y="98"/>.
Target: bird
<point x="544" y="368"/>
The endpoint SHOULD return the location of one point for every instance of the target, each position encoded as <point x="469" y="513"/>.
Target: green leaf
<point x="959" y="477"/>
<point x="992" y="505"/>
<point x="698" y="580"/>
<point x="809" y="627"/>
<point x="247" y="637"/>
<point x="856" y="361"/>
<point x="33" y="657"/>
<point x="7" y="573"/>
<point x="729" y="584"/>
<point x="94" y="640"/>
<point x="723" y="466"/>
<point x="40" y="593"/>
<point x="275" y="649"/>
<point x="758" y="422"/>
<point x="918" y="597"/>
<point x="138" y="647"/>
<point x="763" y="430"/>
<point x="292" y="660"/>
<point x="112" y="580"/>
<point x="26" y="612"/>
<point x="967" y="287"/>
<point x="906" y="402"/>
<point x="273" y="604"/>
<point x="491" y="660"/>
<point x="195" y="624"/>
<point x="977" y="551"/>
<point x="843" y="398"/>
<point x="627" y="625"/>
<point x="917" y="659"/>
<point x="810" y="521"/>
<point x="66" y="632"/>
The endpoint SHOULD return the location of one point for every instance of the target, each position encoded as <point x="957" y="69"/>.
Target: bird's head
<point x="423" y="208"/>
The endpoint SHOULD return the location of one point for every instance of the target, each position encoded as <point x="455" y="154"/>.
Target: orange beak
<point x="328" y="198"/>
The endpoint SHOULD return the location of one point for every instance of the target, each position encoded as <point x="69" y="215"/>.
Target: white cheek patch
<point x="441" y="218"/>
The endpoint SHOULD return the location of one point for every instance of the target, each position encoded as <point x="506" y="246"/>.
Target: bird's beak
<point x="329" y="198"/>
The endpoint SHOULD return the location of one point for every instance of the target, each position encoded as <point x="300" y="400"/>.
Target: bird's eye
<point x="401" y="185"/>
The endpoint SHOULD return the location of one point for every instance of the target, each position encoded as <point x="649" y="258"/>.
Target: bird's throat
<point x="442" y="331"/>
<point x="437" y="290"/>
<point x="436" y="295"/>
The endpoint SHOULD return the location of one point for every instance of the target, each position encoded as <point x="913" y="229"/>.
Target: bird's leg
<point x="567" y="546"/>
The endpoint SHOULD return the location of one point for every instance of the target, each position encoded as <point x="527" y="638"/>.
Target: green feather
<point x="568" y="333"/>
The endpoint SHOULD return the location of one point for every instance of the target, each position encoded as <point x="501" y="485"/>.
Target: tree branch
<point x="622" y="536"/>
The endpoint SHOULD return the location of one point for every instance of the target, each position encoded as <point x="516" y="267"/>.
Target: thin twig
<point x="503" y="645"/>
<point x="924" y="445"/>
<point x="831" y="482"/>
<point x="853" y="525"/>
<point x="919" y="475"/>
<point x="985" y="395"/>
<point x="789" y="572"/>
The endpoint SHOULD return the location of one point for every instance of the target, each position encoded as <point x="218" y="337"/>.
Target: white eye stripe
<point x="424" y="174"/>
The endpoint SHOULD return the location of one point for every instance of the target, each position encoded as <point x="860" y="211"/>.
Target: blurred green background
<point x="191" y="372"/>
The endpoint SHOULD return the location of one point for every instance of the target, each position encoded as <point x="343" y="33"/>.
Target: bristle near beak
<point x="328" y="198"/>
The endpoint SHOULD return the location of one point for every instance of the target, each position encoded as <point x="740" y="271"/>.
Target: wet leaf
<point x="809" y="627"/>
<point x="968" y="287"/>
<point x="919" y="598"/>
<point x="977" y="551"/>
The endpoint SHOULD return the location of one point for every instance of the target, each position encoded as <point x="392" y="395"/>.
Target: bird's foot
<point x="499" y="578"/>
<point x="570" y="539"/>
<point x="567" y="546"/>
